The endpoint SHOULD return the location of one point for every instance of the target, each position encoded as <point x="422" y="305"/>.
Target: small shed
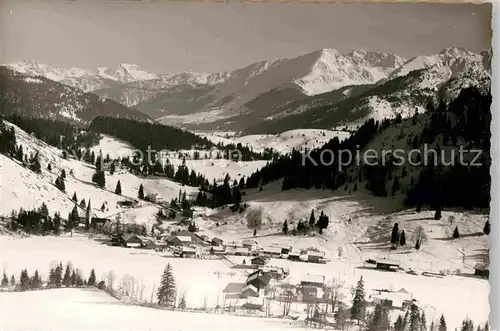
<point x="386" y="264"/>
<point x="132" y="240"/>
<point x="315" y="256"/>
<point x="482" y="269"/>
<point x="259" y="260"/>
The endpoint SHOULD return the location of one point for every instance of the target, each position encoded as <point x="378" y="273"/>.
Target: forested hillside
<point x="464" y="122"/>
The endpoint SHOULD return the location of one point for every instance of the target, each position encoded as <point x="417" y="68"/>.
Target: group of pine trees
<point x="58" y="277"/>
<point x="39" y="221"/>
<point x="304" y="227"/>
<point x="397" y="237"/>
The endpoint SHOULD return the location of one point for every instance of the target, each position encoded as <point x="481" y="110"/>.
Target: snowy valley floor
<point x="203" y="280"/>
<point x="86" y="309"/>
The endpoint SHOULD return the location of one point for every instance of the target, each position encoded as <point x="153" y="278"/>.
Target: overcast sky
<point x="176" y="36"/>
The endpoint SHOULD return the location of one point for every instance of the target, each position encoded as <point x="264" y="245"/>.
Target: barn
<point x="389" y="265"/>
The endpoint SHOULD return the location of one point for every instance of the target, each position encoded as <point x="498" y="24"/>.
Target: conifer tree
<point x="399" y="324"/>
<point x="36" y="282"/>
<point x="57" y="223"/>
<point x="456" y="234"/>
<point x="285" y="227"/>
<point x="24" y="280"/>
<point x="414" y="322"/>
<point x="312" y="219"/>
<point x="91" y="281"/>
<point x="254" y="232"/>
<point x="140" y="194"/>
<point x="5" y="280"/>
<point x="166" y="291"/>
<point x="402" y="238"/>
<point x="358" y="302"/>
<point x="423" y="322"/>
<point x="437" y="215"/>
<point x="49" y="167"/>
<point x="12" y="281"/>
<point x="442" y="324"/>
<point x="118" y="189"/>
<point x="417" y="244"/>
<point x="182" y="302"/>
<point x="487" y="227"/>
<point x="60" y="183"/>
<point x="67" y="276"/>
<point x="112" y="168"/>
<point x="379" y="321"/>
<point x="467" y="325"/>
<point x="395" y="234"/>
<point x="74" y="198"/>
<point x="88" y="216"/>
<point x="83" y="204"/>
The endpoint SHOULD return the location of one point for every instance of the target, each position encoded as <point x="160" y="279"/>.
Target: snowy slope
<point x="23" y="188"/>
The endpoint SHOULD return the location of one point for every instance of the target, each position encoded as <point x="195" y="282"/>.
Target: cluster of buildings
<point x="191" y="244"/>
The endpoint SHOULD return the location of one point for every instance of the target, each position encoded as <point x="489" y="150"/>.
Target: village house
<point x="271" y="251"/>
<point x="249" y="291"/>
<point x="389" y="265"/>
<point x="259" y="279"/>
<point x="315" y="257"/>
<point x="251" y="244"/>
<point x="313" y="280"/>
<point x="241" y="251"/>
<point x="217" y="241"/>
<point x="401" y="299"/>
<point x="259" y="260"/>
<point x="284" y="249"/>
<point x="310" y="294"/>
<point x="217" y="250"/>
<point x="147" y="242"/>
<point x="132" y="240"/>
<point x="482" y="269"/>
<point x="174" y="241"/>
<point x="294" y="256"/>
<point x="187" y="251"/>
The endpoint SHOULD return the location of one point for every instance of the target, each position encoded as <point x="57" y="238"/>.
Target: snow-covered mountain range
<point x="84" y="79"/>
<point x="271" y="90"/>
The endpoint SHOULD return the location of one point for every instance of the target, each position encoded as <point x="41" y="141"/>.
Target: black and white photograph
<point x="232" y="166"/>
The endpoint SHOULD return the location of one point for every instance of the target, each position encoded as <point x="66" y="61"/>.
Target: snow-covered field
<point x="85" y="309"/>
<point x="436" y="296"/>
<point x="284" y="142"/>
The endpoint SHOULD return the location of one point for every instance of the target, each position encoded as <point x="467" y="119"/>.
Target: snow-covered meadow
<point x="85" y="309"/>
